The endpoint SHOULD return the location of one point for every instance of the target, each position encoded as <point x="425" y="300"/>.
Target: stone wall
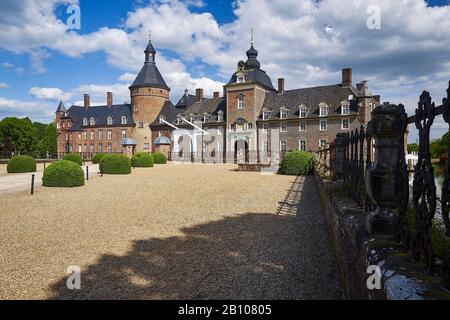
<point x="355" y="250"/>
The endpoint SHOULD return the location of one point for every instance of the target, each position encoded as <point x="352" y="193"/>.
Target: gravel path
<point x="170" y="232"/>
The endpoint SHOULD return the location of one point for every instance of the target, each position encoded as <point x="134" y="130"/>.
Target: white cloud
<point x="35" y="110"/>
<point x="127" y="77"/>
<point x="3" y="85"/>
<point x="7" y="65"/>
<point x="54" y="94"/>
<point x="37" y="59"/>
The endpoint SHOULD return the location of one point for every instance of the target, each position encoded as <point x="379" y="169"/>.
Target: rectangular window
<point x="109" y="134"/>
<point x="100" y="148"/>
<point x="302" y="126"/>
<point x="283" y="145"/>
<point x="265" y="128"/>
<point x="323" y="111"/>
<point x="345" y="109"/>
<point x="240" y="102"/>
<point x="266" y="115"/>
<point x="302" y="113"/>
<point x="84" y="135"/>
<point x="80" y="149"/>
<point x="100" y="135"/>
<point x="86" y="148"/>
<point x="67" y="137"/>
<point x="266" y="146"/>
<point x="323" y="125"/>
<point x="79" y="136"/>
<point x="141" y="125"/>
<point x="124" y="134"/>
<point x="109" y="147"/>
<point x="146" y="146"/>
<point x="345" y="125"/>
<point x="283" y="127"/>
<point x="58" y="125"/>
<point x="283" y="114"/>
<point x="302" y="145"/>
<point x="92" y="148"/>
<point x="92" y="135"/>
<point x="322" y="142"/>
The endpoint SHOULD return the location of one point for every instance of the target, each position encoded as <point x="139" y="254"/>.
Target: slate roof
<point x="332" y="95"/>
<point x="61" y="107"/>
<point x="169" y="112"/>
<point x="254" y="76"/>
<point x="185" y="101"/>
<point x="149" y="76"/>
<point x="100" y="114"/>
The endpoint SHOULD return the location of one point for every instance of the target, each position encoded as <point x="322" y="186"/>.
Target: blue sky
<point x="199" y="43"/>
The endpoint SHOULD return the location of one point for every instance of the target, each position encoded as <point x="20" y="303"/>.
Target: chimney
<point x="109" y="99"/>
<point x="280" y="85"/>
<point x="377" y="98"/>
<point x="347" y="77"/>
<point x="216" y="95"/>
<point x="198" y="94"/>
<point x="87" y="101"/>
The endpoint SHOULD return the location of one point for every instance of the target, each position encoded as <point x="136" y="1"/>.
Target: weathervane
<point x="251" y="30"/>
<point x="149" y="34"/>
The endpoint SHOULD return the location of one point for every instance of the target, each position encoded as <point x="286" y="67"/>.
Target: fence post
<point x="382" y="178"/>
<point x="32" y="184"/>
<point x="340" y="155"/>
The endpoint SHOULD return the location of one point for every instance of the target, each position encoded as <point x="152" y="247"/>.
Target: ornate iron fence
<point x="371" y="162"/>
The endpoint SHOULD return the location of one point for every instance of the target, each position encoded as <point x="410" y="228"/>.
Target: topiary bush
<point x="142" y="159"/>
<point x="159" y="158"/>
<point x="63" y="173"/>
<point x="297" y="163"/>
<point x="98" y="157"/>
<point x="74" y="157"/>
<point x="19" y="164"/>
<point x="115" y="164"/>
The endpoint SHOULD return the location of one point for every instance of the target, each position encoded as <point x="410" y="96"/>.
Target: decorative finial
<point x="251" y="30"/>
<point x="149" y="34"/>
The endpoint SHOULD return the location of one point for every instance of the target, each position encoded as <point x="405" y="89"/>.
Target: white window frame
<point x="345" y="109"/>
<point x="109" y="134"/>
<point x="240" y="102"/>
<point x="240" y="79"/>
<point x="302" y="110"/>
<point x="283" y="124"/>
<point x="124" y="134"/>
<point x="91" y="121"/>
<point x="266" y="115"/>
<point x="348" y="124"/>
<point x="80" y="148"/>
<point x="58" y="125"/>
<point x="100" y="148"/>
<point x="265" y="128"/>
<point x="100" y="134"/>
<point x="281" y="145"/>
<point x="323" y="110"/>
<point x="300" y="144"/>
<point x="284" y="113"/>
<point x="320" y="125"/>
<point x="85" y="121"/>
<point x="123" y="120"/>
<point x="300" y="126"/>
<point x="92" y="135"/>
<point x="109" y="121"/>
<point x="220" y="116"/>
<point x="109" y="148"/>
<point x="320" y="142"/>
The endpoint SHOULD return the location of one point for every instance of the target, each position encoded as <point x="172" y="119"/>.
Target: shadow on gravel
<point x="247" y="256"/>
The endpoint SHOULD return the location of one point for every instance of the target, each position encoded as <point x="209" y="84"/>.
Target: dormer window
<point x="85" y="121"/>
<point x="220" y="116"/>
<point x="161" y="119"/>
<point x="178" y="121"/>
<point x="205" y="118"/>
<point x="123" y="120"/>
<point x="303" y="112"/>
<point x="283" y="114"/>
<point x="266" y="115"/>
<point x="240" y="102"/>
<point x="240" y="79"/>
<point x="92" y="121"/>
<point x="345" y="108"/>
<point x="192" y="118"/>
<point x="109" y="121"/>
<point x="323" y="110"/>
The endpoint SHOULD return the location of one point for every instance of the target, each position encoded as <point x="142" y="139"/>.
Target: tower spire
<point x="251" y="31"/>
<point x="150" y="52"/>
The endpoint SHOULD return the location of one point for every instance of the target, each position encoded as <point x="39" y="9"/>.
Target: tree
<point x="413" y="147"/>
<point x="18" y="135"/>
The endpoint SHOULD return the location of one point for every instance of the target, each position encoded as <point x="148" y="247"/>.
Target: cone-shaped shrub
<point x="159" y="158"/>
<point x="115" y="164"/>
<point x="142" y="159"/>
<point x="19" y="164"/>
<point x="297" y="163"/>
<point x="63" y="173"/>
<point x="74" y="157"/>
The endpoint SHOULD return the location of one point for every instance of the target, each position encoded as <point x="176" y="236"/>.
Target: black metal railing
<point x="371" y="162"/>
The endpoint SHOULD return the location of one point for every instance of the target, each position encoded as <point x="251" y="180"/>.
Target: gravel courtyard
<point x="170" y="232"/>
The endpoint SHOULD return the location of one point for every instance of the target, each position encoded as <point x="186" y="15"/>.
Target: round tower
<point x="149" y="92"/>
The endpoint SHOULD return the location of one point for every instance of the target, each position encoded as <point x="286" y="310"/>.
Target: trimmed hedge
<point x="74" y="157"/>
<point x="63" y="173"/>
<point x="297" y="163"/>
<point x="19" y="164"/>
<point x="115" y="164"/>
<point x="142" y="159"/>
<point x="97" y="157"/>
<point x="159" y="158"/>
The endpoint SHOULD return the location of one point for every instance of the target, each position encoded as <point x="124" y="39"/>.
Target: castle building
<point x="252" y="115"/>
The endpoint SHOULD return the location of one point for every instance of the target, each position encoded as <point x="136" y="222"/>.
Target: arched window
<point x="109" y="121"/>
<point x="123" y="120"/>
<point x="85" y="121"/>
<point x="92" y="121"/>
<point x="240" y="102"/>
